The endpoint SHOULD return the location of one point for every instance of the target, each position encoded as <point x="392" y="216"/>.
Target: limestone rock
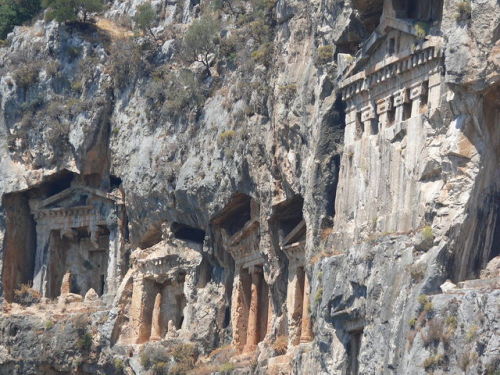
<point x="66" y="284"/>
<point x="492" y="269"/>
<point x="447" y="286"/>
<point x="91" y="296"/>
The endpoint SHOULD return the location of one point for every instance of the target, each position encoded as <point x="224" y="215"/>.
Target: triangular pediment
<point x="385" y="45"/>
<point x="75" y="197"/>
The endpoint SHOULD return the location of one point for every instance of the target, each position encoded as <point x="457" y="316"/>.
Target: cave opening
<point x="114" y="182"/>
<point x="236" y="214"/>
<point x="152" y="237"/>
<point x="19" y="244"/>
<point x="422" y="10"/>
<point x="84" y="257"/>
<point x="20" y="239"/>
<point x="478" y="239"/>
<point x="353" y="349"/>
<point x="187" y="233"/>
<point x="160" y="307"/>
<point x="288" y="220"/>
<point x="369" y="13"/>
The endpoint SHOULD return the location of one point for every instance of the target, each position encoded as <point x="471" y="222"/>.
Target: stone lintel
<point x="400" y="97"/>
<point x="72" y="190"/>
<point x="416" y="90"/>
<point x="384" y="105"/>
<point x="249" y="228"/>
<point x="71" y="211"/>
<point x="251" y="260"/>
<point x="295" y="251"/>
<point x="299" y="230"/>
<point x="389" y="68"/>
<point x="367" y="113"/>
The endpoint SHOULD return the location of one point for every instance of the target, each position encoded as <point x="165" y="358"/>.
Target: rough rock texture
<point x="390" y="208"/>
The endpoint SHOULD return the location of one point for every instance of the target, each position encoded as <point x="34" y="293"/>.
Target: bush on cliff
<point x="72" y="10"/>
<point x="200" y="41"/>
<point x="26" y="296"/>
<point x="16" y="12"/>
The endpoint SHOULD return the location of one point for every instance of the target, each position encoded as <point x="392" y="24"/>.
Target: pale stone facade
<point x="78" y="242"/>
<point x="161" y="276"/>
<point x="239" y="228"/>
<point x="390" y="93"/>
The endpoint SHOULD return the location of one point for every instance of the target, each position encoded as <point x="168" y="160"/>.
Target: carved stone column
<point x="140" y="311"/>
<point x="369" y="119"/>
<point x="155" y="321"/>
<point x="306" y="329"/>
<point x="253" y="314"/>
<point x="400" y="99"/>
<point x="39" y="274"/>
<point x="66" y="284"/>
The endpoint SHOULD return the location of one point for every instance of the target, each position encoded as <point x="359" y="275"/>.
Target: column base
<point x="305" y="339"/>
<point x="249" y="348"/>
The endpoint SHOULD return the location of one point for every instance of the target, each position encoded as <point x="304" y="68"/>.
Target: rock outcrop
<point x="319" y="193"/>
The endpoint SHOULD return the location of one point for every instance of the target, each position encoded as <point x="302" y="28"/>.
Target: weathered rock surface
<point x="332" y="208"/>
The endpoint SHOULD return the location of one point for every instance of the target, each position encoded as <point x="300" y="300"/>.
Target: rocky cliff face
<point x="323" y="198"/>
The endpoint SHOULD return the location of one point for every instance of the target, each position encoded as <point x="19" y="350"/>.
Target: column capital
<point x="400" y="97"/>
<point x="384" y="105"/>
<point x="416" y="90"/>
<point x="367" y="113"/>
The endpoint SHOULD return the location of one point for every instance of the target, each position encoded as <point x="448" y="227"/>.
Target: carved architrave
<point x="243" y="245"/>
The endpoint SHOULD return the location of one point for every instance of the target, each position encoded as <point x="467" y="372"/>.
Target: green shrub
<point x="433" y="361"/>
<point x="13" y="13"/>
<point x="145" y="18"/>
<point x="417" y="272"/>
<point x="49" y="324"/>
<point x="125" y="62"/>
<point x="263" y="54"/>
<point x="325" y="55"/>
<point x="226" y="367"/>
<point x="288" y="92"/>
<point x="201" y="40"/>
<point x="451" y="321"/>
<point x="318" y="296"/>
<point x="412" y="323"/>
<point x="421" y="28"/>
<point x="145" y="360"/>
<point x="464" y="10"/>
<point x="26" y="296"/>
<point x="226" y="135"/>
<point x="84" y="342"/>
<point x="471" y="333"/>
<point x="118" y="364"/>
<point x="187" y="353"/>
<point x="27" y="74"/>
<point x="427" y="233"/>
<point x="71" y="10"/>
<point x="77" y="86"/>
<point x="422" y="300"/>
<point x="161" y="368"/>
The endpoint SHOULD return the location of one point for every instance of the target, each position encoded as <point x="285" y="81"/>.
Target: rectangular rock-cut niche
<point x="19" y="244"/>
<point x="250" y="309"/>
<point x="287" y="221"/>
<point x="86" y="259"/>
<point x="353" y="349"/>
<point x="154" y="306"/>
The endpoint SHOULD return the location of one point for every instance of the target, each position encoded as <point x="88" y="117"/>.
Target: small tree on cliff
<point x="16" y="12"/>
<point x="201" y="40"/>
<point x="145" y="17"/>
<point x="71" y="10"/>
